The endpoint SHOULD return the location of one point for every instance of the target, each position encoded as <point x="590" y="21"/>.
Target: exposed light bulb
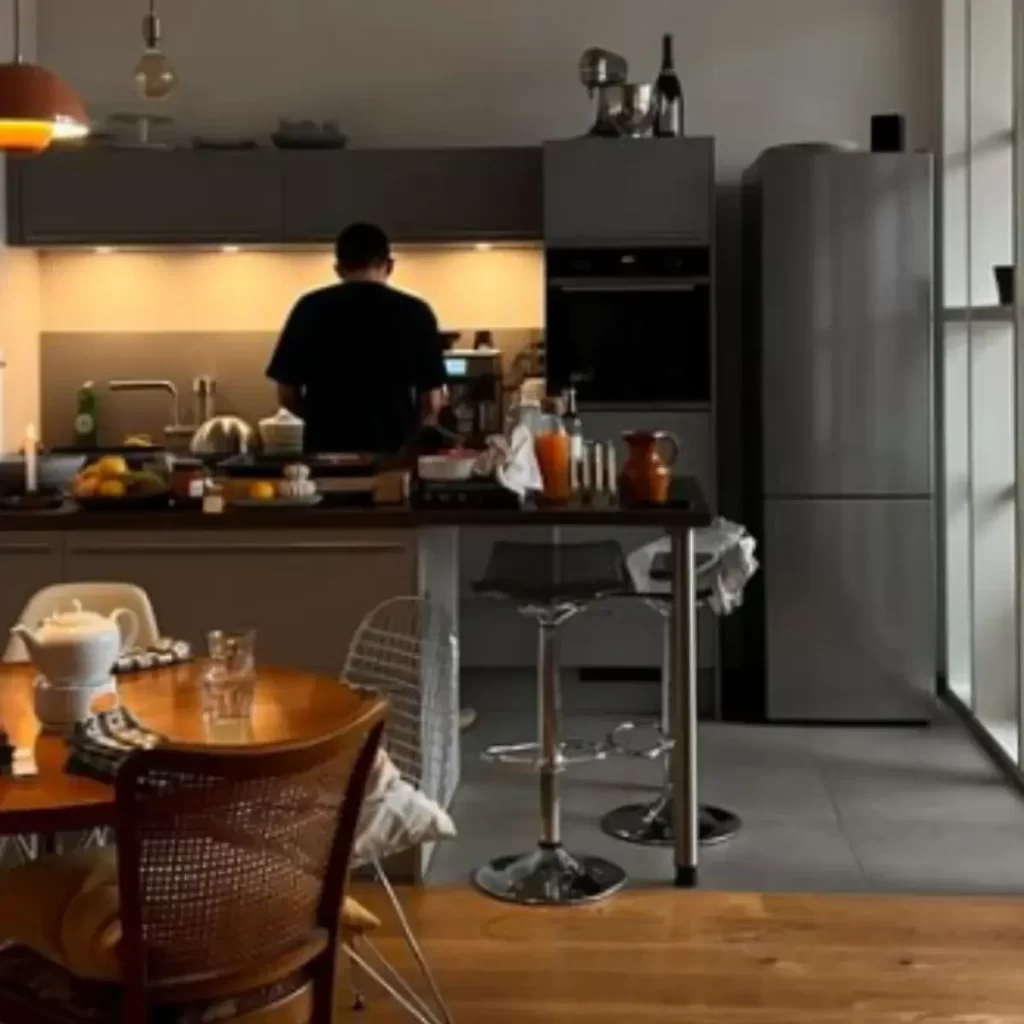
<point x="155" y="76"/>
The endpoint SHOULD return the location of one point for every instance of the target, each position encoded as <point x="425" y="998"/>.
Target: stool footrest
<point x="619" y="745"/>
<point x="528" y="755"/>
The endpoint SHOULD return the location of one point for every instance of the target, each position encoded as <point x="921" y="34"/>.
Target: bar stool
<point x="551" y="583"/>
<point x="651" y="824"/>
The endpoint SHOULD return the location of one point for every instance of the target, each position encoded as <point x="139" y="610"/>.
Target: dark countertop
<point x="694" y="513"/>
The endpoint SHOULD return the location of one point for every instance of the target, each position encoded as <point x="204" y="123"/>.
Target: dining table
<point x="288" y="706"/>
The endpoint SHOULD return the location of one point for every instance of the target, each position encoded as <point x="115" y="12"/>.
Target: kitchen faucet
<point x="204" y="388"/>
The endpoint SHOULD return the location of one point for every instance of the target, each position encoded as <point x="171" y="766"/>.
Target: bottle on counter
<point x="87" y="417"/>
<point x="668" y="95"/>
<point x="573" y="426"/>
<point x="553" y="450"/>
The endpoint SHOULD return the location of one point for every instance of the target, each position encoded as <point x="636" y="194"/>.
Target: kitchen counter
<point x="689" y="512"/>
<point x="305" y="578"/>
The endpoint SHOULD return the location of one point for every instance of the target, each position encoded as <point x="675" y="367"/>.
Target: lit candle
<point x="31" y="465"/>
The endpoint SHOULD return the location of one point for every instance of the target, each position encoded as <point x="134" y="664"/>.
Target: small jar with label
<point x="188" y="479"/>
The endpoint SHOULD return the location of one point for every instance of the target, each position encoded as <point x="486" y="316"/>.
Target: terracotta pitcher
<point x="647" y="473"/>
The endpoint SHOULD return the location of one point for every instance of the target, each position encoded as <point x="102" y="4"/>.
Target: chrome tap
<point x="203" y="389"/>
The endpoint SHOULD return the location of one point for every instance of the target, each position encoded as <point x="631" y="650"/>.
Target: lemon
<point x="111" y="465"/>
<point x="262" y="490"/>
<point x="110" y="489"/>
<point x="85" y="486"/>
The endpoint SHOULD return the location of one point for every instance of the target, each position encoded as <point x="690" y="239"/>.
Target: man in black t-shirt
<point x="360" y="361"/>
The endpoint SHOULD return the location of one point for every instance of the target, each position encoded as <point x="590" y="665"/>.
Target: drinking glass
<point x="229" y="681"/>
<point x="554" y="456"/>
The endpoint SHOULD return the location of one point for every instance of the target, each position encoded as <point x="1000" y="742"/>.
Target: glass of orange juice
<point x="554" y="453"/>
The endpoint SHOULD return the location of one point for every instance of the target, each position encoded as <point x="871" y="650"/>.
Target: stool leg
<point x="550" y="875"/>
<point x="549" y="709"/>
<point x="652" y="824"/>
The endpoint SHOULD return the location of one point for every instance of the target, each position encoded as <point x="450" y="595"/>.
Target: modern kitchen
<point x="752" y="286"/>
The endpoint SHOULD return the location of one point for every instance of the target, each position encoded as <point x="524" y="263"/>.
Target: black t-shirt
<point x="363" y="355"/>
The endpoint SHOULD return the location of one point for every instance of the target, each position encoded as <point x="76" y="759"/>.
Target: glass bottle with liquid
<point x="668" y="95"/>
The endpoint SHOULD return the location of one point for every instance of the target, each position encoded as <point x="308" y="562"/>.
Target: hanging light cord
<point x="18" y="56"/>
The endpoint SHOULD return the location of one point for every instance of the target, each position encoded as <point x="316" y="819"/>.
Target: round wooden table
<point x="289" y="706"/>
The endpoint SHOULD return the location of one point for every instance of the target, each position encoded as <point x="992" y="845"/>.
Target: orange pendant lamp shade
<point x="37" y="108"/>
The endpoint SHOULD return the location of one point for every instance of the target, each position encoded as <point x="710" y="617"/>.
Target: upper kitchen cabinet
<point x="629" y="191"/>
<point x="122" y="196"/>
<point x="416" y="195"/>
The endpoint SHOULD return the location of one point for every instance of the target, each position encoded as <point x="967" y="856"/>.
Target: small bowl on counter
<point x="282" y="434"/>
<point x="55" y="473"/>
<point x="447" y="467"/>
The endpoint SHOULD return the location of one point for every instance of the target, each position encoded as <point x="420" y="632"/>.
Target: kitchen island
<point x="305" y="578"/>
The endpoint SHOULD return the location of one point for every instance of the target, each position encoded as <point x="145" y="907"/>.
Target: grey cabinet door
<point x="29" y="561"/>
<point x="850" y="609"/>
<point x="419" y="195"/>
<point x="133" y="196"/>
<point x="305" y="594"/>
<point x="846" y="312"/>
<point x="620" y="191"/>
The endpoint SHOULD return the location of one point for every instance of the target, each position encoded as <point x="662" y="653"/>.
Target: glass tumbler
<point x="229" y="680"/>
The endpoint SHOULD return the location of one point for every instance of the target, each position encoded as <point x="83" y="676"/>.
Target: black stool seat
<point x="551" y="573"/>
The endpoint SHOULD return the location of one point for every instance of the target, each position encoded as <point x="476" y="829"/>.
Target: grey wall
<point x="237" y="361"/>
<point x="408" y="72"/>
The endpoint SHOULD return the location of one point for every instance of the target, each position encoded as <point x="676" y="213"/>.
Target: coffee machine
<point x="606" y="74"/>
<point x="475" y="397"/>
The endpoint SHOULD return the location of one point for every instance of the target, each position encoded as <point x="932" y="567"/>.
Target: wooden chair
<point x="231" y="869"/>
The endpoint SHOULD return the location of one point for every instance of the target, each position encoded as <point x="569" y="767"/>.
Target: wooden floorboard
<point x="658" y="956"/>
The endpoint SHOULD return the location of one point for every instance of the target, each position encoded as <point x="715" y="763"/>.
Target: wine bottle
<point x="668" y="95"/>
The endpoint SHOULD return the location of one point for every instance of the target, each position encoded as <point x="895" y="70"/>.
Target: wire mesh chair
<point x="406" y="651"/>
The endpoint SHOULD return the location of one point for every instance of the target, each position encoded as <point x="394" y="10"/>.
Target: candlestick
<point x="31" y="464"/>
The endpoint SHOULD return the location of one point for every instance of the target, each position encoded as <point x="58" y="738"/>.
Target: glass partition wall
<point x="982" y="421"/>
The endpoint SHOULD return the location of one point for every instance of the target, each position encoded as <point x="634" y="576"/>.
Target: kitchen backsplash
<point x="237" y="360"/>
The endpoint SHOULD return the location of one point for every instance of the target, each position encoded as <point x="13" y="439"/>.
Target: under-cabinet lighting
<point x="230" y="248"/>
<point x="104" y="250"/>
<point x="484" y="247"/>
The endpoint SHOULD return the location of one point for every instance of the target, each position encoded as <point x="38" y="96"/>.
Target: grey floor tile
<point x="824" y="809"/>
<point x="949" y="859"/>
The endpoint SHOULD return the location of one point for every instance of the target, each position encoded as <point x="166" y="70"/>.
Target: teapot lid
<point x="78" y="620"/>
<point x="283" y="417"/>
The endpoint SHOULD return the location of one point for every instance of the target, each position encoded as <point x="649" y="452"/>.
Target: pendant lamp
<point x="36" y="107"/>
<point x="155" y="76"/>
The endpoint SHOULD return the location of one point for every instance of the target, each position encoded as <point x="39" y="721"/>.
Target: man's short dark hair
<point x="361" y="246"/>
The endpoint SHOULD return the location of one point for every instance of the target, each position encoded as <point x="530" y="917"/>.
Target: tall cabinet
<point x="608" y="193"/>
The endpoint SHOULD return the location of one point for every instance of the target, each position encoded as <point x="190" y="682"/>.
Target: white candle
<point x="613" y="473"/>
<point x="31" y="465"/>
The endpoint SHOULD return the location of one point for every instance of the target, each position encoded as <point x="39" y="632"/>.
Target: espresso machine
<point x="475" y="407"/>
<point x="606" y="74"/>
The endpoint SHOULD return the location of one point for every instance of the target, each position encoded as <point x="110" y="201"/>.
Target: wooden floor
<point x="701" y="958"/>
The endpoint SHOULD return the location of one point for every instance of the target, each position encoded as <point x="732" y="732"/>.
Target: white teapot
<point x="79" y="648"/>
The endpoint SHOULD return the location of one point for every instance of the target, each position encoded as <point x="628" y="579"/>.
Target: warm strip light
<point x="25" y="136"/>
<point x="230" y="248"/>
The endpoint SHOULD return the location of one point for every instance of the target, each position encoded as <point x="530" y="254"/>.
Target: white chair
<point x="406" y="650"/>
<point x="95" y="597"/>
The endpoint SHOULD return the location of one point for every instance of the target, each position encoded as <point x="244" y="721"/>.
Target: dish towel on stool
<point x="728" y="564"/>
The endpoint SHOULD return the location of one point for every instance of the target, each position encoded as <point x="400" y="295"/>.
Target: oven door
<point x="630" y="340"/>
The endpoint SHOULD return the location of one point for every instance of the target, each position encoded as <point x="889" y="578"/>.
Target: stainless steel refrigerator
<point x="839" y="432"/>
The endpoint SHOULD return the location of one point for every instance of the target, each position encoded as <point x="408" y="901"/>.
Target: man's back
<point x="362" y="353"/>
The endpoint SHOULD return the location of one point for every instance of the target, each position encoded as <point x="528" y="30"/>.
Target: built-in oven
<point x="630" y="325"/>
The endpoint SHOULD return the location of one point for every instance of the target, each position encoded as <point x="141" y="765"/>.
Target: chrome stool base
<point x="652" y="825"/>
<point x="530" y="755"/>
<point x="550" y="876"/>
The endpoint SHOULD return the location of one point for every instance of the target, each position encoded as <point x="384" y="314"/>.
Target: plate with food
<point x="295" y="490"/>
<point x="109" y="483"/>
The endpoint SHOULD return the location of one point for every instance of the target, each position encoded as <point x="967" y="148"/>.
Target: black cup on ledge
<point x="1005" y="285"/>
